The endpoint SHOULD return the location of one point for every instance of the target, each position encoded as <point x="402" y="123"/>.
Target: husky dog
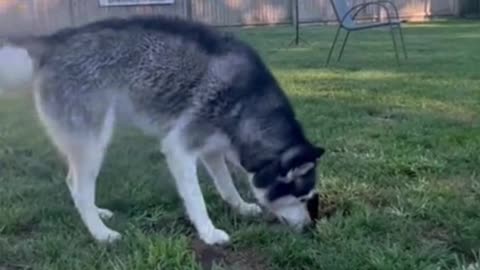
<point x="206" y="96"/>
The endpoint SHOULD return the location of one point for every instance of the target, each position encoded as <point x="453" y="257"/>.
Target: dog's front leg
<point x="218" y="170"/>
<point x="183" y="166"/>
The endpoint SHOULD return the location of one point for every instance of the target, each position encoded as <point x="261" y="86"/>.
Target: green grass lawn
<point x="403" y="168"/>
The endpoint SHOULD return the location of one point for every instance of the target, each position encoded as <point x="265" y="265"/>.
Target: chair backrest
<point x="341" y="8"/>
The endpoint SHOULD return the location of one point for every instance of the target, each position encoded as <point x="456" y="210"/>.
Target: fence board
<point x="39" y="16"/>
<point x="241" y="12"/>
<point x="85" y="11"/>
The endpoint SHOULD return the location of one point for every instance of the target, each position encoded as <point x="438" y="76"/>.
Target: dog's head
<point x="286" y="186"/>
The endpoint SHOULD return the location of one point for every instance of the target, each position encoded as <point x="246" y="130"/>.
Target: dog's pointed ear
<point x="300" y="155"/>
<point x="299" y="171"/>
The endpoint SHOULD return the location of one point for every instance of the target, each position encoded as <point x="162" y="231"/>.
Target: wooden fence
<point x="43" y="16"/>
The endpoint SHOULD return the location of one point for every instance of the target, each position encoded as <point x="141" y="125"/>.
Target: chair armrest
<point x="356" y="9"/>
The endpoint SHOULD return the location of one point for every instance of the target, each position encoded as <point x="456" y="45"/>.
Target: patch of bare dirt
<point x="248" y="259"/>
<point x="327" y="206"/>
<point x="245" y="259"/>
<point x="25" y="229"/>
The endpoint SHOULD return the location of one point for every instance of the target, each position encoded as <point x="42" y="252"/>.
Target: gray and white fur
<point x="205" y="95"/>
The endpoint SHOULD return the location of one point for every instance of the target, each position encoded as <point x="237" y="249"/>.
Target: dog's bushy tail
<point x="17" y="58"/>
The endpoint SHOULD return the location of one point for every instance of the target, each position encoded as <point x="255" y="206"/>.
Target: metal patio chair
<point x="346" y="18"/>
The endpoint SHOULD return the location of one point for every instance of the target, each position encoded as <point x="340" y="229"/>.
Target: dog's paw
<point x="250" y="209"/>
<point x="215" y="237"/>
<point x="107" y="236"/>
<point x="104" y="213"/>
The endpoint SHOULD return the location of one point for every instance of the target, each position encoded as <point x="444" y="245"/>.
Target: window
<point x="107" y="3"/>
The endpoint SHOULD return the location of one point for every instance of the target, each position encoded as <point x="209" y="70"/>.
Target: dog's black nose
<point x="312" y="207"/>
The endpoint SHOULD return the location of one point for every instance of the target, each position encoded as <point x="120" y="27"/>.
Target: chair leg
<point x="333" y="45"/>
<point x="394" y="43"/>
<point x="343" y="46"/>
<point x="403" y="42"/>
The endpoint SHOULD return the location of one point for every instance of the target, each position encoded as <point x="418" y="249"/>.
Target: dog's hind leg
<point x="84" y="159"/>
<point x="218" y="170"/>
<point x="84" y="150"/>
<point x="104" y="213"/>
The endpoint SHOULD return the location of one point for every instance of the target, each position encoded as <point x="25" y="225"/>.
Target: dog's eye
<point x="303" y="200"/>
